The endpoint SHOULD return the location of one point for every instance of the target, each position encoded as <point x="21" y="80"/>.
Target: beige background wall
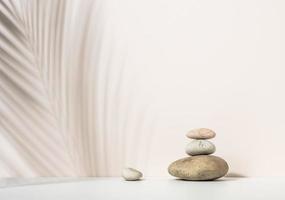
<point x="216" y="64"/>
<point x="151" y="71"/>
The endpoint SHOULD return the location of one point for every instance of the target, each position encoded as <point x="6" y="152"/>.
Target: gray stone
<point x="199" y="168"/>
<point x="200" y="147"/>
<point x="130" y="174"/>
<point x="201" y="133"/>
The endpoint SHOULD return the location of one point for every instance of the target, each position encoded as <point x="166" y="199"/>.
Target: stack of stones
<point x="200" y="166"/>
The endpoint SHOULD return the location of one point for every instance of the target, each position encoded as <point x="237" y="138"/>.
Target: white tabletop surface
<point x="151" y="188"/>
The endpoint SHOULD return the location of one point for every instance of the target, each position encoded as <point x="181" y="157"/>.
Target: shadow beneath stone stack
<point x="235" y="175"/>
<point x="198" y="181"/>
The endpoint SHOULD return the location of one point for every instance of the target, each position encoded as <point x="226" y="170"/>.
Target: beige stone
<point x="201" y="133"/>
<point x="199" y="168"/>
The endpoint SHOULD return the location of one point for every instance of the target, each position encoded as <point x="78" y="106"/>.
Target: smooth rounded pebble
<point x="199" y="168"/>
<point x="130" y="174"/>
<point x="200" y="147"/>
<point x="201" y="133"/>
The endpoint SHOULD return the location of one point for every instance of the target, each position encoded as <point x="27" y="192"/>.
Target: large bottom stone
<point x="199" y="168"/>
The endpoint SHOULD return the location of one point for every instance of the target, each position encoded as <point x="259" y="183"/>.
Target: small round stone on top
<point x="201" y="133"/>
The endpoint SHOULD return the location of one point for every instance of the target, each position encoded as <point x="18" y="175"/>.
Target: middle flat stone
<point x="200" y="147"/>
